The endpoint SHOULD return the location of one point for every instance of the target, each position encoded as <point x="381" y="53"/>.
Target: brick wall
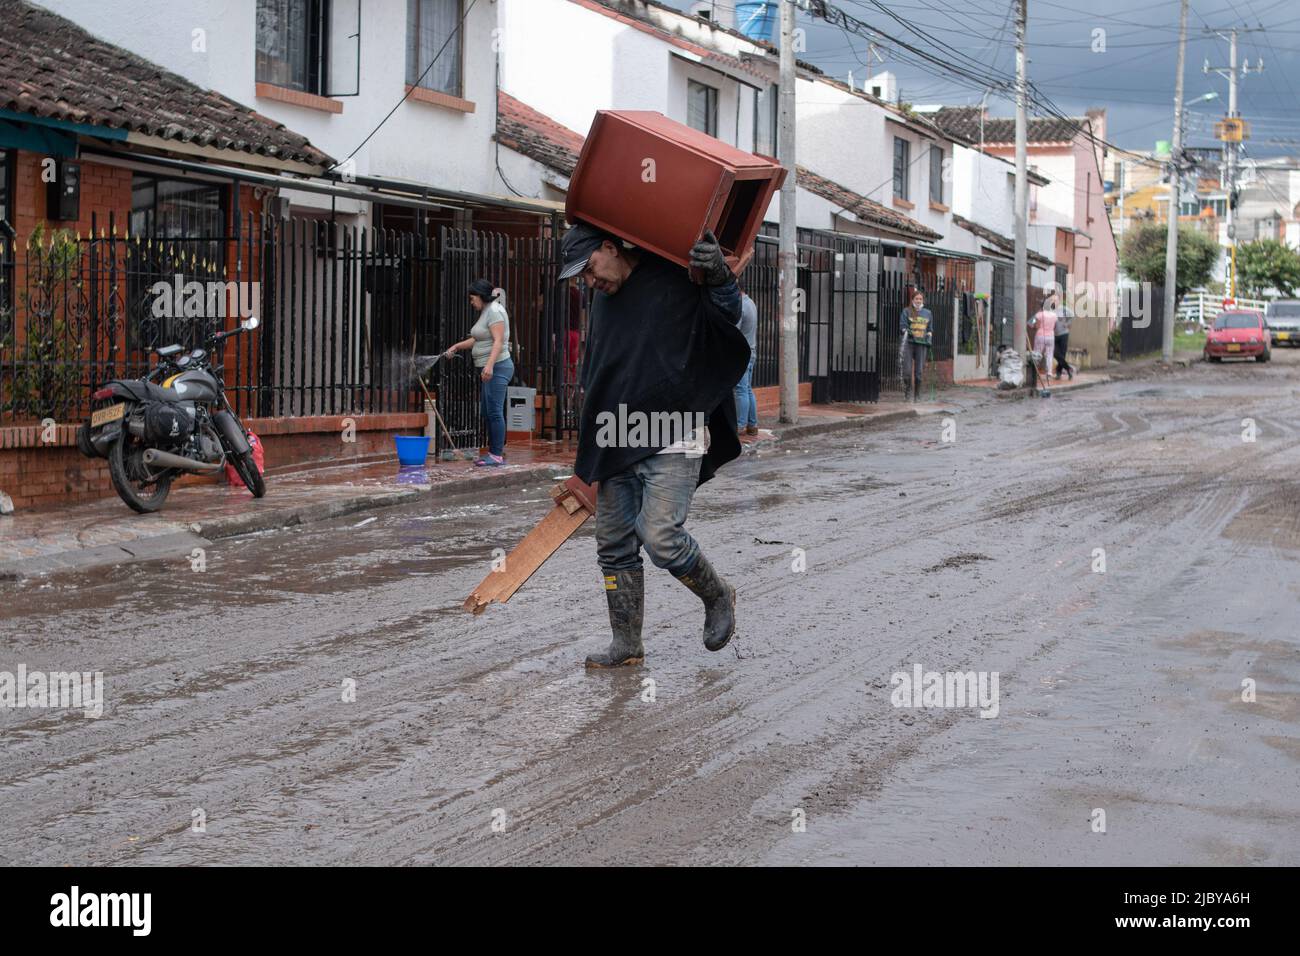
<point x="104" y="190"/>
<point x="36" y="473"/>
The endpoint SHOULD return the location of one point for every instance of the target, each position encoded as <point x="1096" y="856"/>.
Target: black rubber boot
<point x="719" y="599"/>
<point x="625" y="592"/>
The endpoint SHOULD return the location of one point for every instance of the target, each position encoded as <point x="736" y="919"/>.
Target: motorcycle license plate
<point x="110" y="414"/>
<point x="1234" y="347"/>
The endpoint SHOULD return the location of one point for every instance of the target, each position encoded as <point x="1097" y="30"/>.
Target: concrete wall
<point x="611" y="64"/>
<point x="1088" y="335"/>
<point x="850" y="140"/>
<point x="439" y="145"/>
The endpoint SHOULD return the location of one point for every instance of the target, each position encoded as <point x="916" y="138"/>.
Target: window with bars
<point x="293" y="43"/>
<point x="702" y="107"/>
<point x="433" y="26"/>
<point x="902" y="167"/>
<point x="190" y="219"/>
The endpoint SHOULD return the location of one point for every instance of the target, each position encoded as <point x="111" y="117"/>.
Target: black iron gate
<point x="546" y="327"/>
<point x="838" y="279"/>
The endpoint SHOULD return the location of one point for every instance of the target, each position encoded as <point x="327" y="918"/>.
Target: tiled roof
<point x="536" y="135"/>
<point x="964" y="121"/>
<point x="866" y="210"/>
<point x="52" y="68"/>
<point x="1003" y="244"/>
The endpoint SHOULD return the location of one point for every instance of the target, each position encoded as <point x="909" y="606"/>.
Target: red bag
<point x="259" y="459"/>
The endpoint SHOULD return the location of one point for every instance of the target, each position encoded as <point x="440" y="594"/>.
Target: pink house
<point x="1072" y="205"/>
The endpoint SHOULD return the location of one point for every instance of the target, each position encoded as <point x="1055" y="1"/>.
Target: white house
<point x="333" y="70"/>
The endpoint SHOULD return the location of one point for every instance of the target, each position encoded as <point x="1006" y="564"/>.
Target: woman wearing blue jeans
<point x="489" y="344"/>
<point x="746" y="403"/>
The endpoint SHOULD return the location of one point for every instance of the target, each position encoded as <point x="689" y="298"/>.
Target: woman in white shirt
<point x="489" y="344"/>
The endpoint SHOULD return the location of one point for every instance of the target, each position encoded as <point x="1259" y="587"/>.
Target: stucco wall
<point x="423" y="142"/>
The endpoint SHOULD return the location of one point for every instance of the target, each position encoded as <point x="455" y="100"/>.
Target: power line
<point x="410" y="88"/>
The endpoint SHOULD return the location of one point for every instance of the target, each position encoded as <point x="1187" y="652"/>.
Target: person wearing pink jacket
<point x="1045" y="335"/>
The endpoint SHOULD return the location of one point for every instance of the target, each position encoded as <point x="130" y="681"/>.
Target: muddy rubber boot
<point x="719" y="599"/>
<point x="625" y="592"/>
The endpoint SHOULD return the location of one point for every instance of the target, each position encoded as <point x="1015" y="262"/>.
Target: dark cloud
<point x="1133" y="77"/>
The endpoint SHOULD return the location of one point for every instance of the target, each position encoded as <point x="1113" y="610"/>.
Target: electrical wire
<point x="410" y="88"/>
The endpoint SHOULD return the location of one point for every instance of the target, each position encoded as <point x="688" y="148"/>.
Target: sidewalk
<point x="106" y="532"/>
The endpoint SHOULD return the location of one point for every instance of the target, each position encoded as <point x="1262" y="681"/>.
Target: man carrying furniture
<point x="659" y="347"/>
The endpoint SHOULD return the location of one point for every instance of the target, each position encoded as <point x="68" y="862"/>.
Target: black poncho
<point x="661" y="344"/>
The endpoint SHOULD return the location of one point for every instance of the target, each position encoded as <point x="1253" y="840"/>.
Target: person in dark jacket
<point x="658" y="418"/>
<point x="915" y="326"/>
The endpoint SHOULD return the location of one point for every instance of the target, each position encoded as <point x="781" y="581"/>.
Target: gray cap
<point x="576" y="248"/>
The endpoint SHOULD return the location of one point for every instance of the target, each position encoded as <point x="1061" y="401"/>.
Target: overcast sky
<point x="1133" y="78"/>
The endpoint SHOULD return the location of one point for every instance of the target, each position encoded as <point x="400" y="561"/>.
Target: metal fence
<point x="78" y="310"/>
<point x="547" y="325"/>
<point x="352" y="316"/>
<point x="342" y="310"/>
<point x="1141" y="320"/>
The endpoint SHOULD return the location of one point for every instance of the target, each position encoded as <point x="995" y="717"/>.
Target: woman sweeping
<point x="489" y="342"/>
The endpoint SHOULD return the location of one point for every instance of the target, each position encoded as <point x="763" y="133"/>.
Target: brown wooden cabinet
<point x="660" y="184"/>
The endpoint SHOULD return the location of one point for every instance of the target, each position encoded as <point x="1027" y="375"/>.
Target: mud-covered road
<point x="483" y="740"/>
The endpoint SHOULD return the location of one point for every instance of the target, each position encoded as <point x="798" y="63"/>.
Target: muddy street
<point x="1119" y="557"/>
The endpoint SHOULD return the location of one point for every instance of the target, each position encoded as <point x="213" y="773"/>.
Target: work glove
<point x="706" y="255"/>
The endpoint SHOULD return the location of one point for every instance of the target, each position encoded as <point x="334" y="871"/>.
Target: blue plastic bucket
<point x="755" y="20"/>
<point x="411" y="449"/>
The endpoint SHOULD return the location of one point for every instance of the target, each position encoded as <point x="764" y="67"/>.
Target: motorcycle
<point x="151" y="433"/>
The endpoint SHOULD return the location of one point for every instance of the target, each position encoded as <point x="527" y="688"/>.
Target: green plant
<point x="47" y="363"/>
<point x="1267" y="263"/>
<point x="1114" y="344"/>
<point x="1143" y="255"/>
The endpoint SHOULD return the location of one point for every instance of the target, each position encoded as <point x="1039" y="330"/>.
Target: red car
<point x="1237" y="334"/>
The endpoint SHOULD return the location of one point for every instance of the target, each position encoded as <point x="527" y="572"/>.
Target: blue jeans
<point x="746" y="403"/>
<point x="646" y="506"/>
<point x="492" y="404"/>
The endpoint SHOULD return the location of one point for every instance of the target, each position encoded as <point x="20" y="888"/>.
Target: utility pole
<point x="1175" y="196"/>
<point x="1021" y="267"/>
<point x="787" y="254"/>
<point x="1232" y="134"/>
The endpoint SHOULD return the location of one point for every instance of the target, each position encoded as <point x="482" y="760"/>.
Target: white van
<point x="1282" y="317"/>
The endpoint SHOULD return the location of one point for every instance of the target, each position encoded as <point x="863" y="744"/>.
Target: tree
<point x="1143" y="255"/>
<point x="1267" y="263"/>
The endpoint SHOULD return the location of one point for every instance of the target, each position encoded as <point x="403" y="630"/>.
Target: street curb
<point x="1019" y="394"/>
<point x="855" y="421"/>
<point x="182" y="541"/>
<point x="155" y="547"/>
<point x="236" y="525"/>
<point x="291" y="517"/>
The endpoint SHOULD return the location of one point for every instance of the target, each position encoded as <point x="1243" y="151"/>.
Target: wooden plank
<point x="570" y="513"/>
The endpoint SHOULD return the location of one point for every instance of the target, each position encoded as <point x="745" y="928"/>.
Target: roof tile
<point x="52" y="68"/>
<point x="866" y="210"/>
